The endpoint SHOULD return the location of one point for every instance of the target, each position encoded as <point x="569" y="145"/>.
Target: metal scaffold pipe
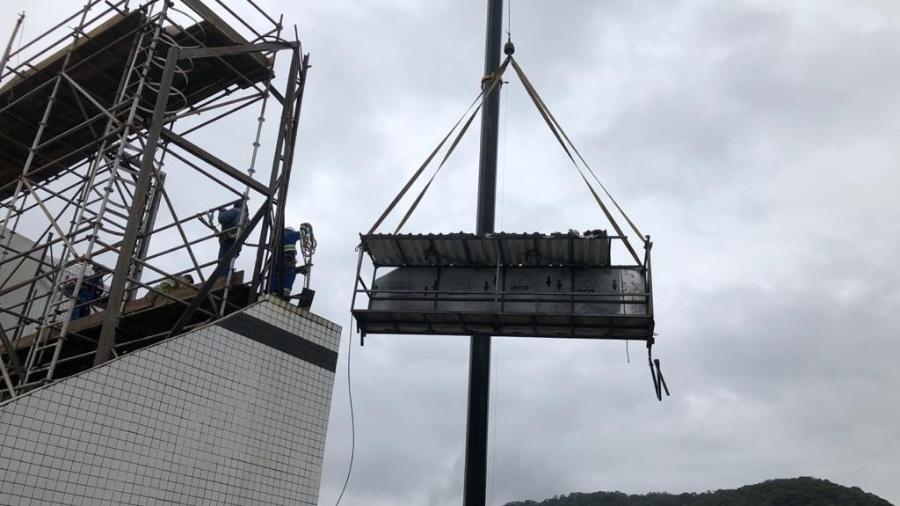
<point x="12" y="39"/>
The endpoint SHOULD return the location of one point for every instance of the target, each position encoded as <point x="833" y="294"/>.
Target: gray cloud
<point x="754" y="140"/>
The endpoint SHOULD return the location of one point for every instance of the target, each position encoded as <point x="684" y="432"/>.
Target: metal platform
<point x="96" y="66"/>
<point x="556" y="285"/>
<point x="631" y="327"/>
<point x="144" y="321"/>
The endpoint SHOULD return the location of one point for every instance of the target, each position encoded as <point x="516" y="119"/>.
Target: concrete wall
<point x="15" y="272"/>
<point x="234" y="413"/>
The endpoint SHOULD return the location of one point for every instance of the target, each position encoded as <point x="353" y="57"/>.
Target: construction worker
<point x="92" y="288"/>
<point x="289" y="267"/>
<point x="228" y="223"/>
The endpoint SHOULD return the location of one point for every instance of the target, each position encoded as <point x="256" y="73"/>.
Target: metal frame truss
<point x="103" y="196"/>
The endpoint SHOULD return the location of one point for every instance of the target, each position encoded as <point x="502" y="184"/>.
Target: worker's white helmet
<point x="292" y="229"/>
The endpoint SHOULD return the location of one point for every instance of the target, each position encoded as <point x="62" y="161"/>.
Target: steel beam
<point x="480" y="345"/>
<point x="211" y="52"/>
<point x="149" y="221"/>
<point x="276" y="179"/>
<point x="296" y="94"/>
<point x="213" y="160"/>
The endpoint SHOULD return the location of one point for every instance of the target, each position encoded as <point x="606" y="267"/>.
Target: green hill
<point x="790" y="492"/>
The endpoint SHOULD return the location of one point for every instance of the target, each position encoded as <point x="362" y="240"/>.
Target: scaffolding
<point x="107" y="189"/>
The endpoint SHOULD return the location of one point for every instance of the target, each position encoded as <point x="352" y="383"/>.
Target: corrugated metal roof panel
<point x="451" y="252"/>
<point x="590" y="250"/>
<point x="482" y="252"/>
<point x="384" y="251"/>
<point x="417" y="251"/>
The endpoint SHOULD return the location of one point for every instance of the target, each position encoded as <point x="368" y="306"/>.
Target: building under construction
<point x="143" y="357"/>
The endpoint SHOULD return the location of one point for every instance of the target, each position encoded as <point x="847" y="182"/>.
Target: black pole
<point x="480" y="346"/>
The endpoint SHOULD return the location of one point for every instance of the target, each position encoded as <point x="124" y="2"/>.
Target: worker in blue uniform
<point x="289" y="266"/>
<point x="91" y="289"/>
<point x="228" y="222"/>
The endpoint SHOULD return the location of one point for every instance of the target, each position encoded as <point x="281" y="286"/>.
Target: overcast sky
<point x="754" y="140"/>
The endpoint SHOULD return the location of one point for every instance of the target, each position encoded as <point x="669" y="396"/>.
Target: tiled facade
<point x="209" y="417"/>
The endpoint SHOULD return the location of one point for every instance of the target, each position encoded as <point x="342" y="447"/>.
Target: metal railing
<point x="499" y="296"/>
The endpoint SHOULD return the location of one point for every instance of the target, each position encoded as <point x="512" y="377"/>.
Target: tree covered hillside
<point x="790" y="492"/>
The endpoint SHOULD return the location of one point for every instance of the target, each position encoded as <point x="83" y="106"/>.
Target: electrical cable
<point x="308" y="242"/>
<point x="352" y="414"/>
<point x="350" y="399"/>
<point x="375" y="226"/>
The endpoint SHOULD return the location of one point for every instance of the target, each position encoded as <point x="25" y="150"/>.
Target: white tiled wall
<point x="209" y="417"/>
